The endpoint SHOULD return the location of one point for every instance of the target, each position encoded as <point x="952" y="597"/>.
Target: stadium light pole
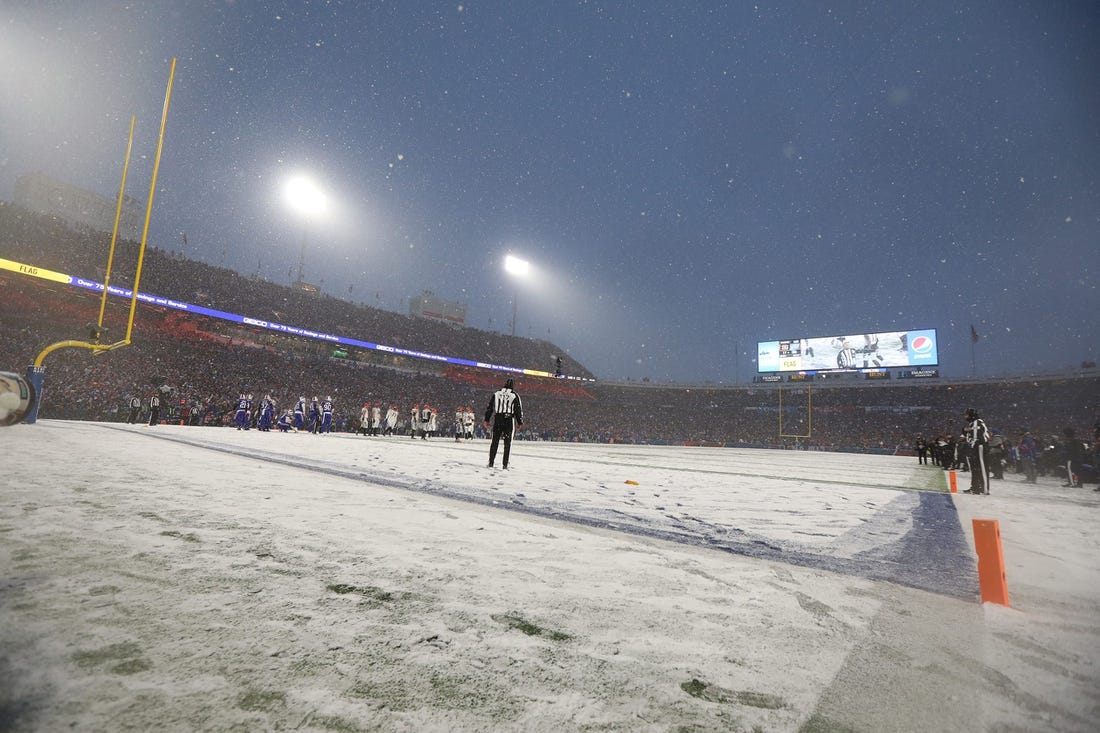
<point x="517" y="268"/>
<point x="308" y="201"/>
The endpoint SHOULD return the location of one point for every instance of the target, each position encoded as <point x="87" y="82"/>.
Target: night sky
<point x="685" y="178"/>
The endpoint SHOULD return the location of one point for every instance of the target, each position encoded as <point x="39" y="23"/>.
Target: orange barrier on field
<point x="991" y="562"/>
<point x="952" y="481"/>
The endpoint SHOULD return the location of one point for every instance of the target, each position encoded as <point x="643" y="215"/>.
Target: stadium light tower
<point x="308" y="201"/>
<point x="518" y="269"/>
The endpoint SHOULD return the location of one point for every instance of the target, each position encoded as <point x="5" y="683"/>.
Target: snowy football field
<point x="179" y="578"/>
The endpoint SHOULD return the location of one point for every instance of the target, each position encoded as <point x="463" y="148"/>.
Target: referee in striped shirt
<point x="505" y="414"/>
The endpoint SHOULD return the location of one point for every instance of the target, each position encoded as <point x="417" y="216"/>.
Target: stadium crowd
<point x="44" y="242"/>
<point x="199" y="366"/>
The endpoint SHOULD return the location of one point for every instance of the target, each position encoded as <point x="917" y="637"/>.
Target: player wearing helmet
<point x="430" y="417"/>
<point x="285" y="421"/>
<point x="376" y="418"/>
<point x="314" y="415"/>
<point x="300" y="414"/>
<point x="460" y="418"/>
<point x="267" y="414"/>
<point x="468" y="422"/>
<point x="243" y="414"/>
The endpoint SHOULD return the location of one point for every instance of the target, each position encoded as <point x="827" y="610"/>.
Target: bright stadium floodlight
<point x="517" y="268"/>
<point x="309" y="201"/>
<point x="305" y="197"/>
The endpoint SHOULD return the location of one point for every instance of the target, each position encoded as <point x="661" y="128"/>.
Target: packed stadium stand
<point x="203" y="363"/>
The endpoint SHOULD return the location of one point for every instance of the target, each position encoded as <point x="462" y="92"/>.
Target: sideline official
<point x="977" y="439"/>
<point x="135" y="410"/>
<point x="505" y="414"/>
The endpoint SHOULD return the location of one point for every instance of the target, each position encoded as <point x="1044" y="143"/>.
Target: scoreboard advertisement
<point x="919" y="374"/>
<point x="866" y="351"/>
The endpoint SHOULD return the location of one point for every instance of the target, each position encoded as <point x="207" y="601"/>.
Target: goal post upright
<point x="118" y="218"/>
<point x="149" y="203"/>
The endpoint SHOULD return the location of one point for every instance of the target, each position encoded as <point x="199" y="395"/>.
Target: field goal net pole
<point x="36" y="373"/>
<point x="809" y="415"/>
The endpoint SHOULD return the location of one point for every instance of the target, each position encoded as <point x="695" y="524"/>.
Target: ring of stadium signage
<point x="865" y="352"/>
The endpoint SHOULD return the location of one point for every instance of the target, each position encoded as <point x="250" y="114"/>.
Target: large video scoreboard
<point x="865" y="351"/>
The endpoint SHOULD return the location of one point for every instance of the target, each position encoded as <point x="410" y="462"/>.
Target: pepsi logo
<point x="922" y="345"/>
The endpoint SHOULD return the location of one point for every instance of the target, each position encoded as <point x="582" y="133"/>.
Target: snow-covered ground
<point x="175" y="578"/>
